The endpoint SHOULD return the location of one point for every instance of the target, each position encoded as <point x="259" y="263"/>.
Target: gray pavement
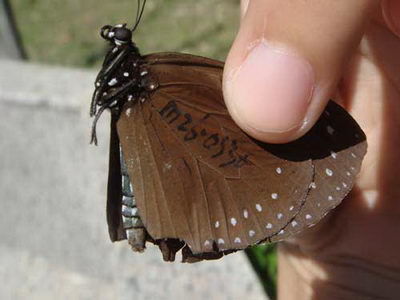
<point x="53" y="236"/>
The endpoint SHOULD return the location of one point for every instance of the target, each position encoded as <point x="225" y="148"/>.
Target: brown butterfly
<point x="201" y="184"/>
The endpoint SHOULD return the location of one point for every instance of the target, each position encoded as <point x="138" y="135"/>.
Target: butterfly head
<point x="118" y="35"/>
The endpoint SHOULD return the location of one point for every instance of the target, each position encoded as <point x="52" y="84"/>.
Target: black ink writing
<point x="211" y="141"/>
<point x="171" y="109"/>
<point x="182" y="127"/>
<point x="217" y="144"/>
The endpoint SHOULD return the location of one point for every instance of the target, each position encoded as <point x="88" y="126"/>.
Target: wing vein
<point x="157" y="172"/>
<point x="205" y="199"/>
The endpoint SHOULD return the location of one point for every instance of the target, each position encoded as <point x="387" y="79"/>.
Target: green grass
<point x="264" y="261"/>
<point x="66" y="33"/>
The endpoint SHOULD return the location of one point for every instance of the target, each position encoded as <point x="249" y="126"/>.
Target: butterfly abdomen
<point x="131" y="221"/>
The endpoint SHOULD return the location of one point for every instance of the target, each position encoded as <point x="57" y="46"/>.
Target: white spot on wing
<point x="330" y="129"/>
<point x="112" y="82"/>
<point x="291" y="208"/>
<point x="258" y="207"/>
<point x="308" y="216"/>
<point x="207" y="243"/>
<point x="279" y="170"/>
<point x="330" y="198"/>
<point x="221" y="241"/>
<point x="294" y="223"/>
<point x="252" y="233"/>
<point x="245" y="213"/>
<point x="233" y="221"/>
<point x="274" y="196"/>
<point x="128" y="112"/>
<point x="344" y="184"/>
<point x="126" y="74"/>
<point x="279" y="216"/>
<point x="237" y="240"/>
<point x="352" y="154"/>
<point x="268" y="226"/>
<point x="333" y="154"/>
<point x="328" y="172"/>
<point x="313" y="185"/>
<point x="217" y="224"/>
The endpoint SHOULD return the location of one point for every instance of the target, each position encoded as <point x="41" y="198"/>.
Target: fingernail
<point x="271" y="90"/>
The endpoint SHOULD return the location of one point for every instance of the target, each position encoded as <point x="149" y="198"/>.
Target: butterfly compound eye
<point x="122" y="34"/>
<point x="105" y="32"/>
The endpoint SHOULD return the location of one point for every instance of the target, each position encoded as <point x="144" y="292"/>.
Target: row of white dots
<point x="294" y="223"/>
<point x="252" y="233"/>
<point x="234" y="221"/>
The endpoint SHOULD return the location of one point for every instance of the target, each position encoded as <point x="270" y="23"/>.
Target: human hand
<point x="288" y="59"/>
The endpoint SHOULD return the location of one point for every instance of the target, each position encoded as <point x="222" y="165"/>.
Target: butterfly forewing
<point x="197" y="176"/>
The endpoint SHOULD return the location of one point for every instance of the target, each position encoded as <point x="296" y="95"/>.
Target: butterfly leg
<point x="135" y="231"/>
<point x="169" y="248"/>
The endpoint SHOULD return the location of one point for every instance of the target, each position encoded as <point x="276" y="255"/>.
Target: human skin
<point x="290" y="57"/>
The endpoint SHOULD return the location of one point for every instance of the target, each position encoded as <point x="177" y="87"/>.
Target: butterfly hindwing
<point x="337" y="146"/>
<point x="114" y="186"/>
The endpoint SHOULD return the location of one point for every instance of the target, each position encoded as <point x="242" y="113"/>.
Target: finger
<point x="391" y="13"/>
<point x="286" y="61"/>
<point x="244" y="4"/>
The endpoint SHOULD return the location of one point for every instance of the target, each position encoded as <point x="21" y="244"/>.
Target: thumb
<point x="286" y="61"/>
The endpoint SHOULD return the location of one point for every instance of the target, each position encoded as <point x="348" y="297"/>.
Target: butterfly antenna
<point x="137" y="10"/>
<point x="140" y="10"/>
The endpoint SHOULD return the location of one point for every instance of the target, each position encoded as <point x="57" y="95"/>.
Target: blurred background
<point x="53" y="232"/>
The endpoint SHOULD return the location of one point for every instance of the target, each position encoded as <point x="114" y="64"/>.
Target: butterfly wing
<point x="114" y="186"/>
<point x="197" y="176"/>
<point x="337" y="145"/>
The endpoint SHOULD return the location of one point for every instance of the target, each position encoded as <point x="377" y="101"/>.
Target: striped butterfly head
<point x="117" y="35"/>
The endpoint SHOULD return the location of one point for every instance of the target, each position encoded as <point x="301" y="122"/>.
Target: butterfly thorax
<point x="123" y="76"/>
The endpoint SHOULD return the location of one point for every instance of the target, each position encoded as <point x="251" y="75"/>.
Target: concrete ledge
<point x="23" y="83"/>
<point x="53" y="235"/>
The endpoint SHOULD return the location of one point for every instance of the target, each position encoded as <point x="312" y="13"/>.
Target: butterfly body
<point x="200" y="182"/>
